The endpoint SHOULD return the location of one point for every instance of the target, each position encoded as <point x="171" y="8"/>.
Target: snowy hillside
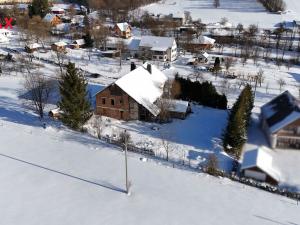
<point x="246" y="12"/>
<point x="57" y="176"/>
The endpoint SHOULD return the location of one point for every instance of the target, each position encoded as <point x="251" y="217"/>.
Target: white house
<point x="257" y="164"/>
<point x="158" y="48"/>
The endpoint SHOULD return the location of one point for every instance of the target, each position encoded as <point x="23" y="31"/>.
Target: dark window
<point x="121" y="101"/>
<point x="103" y="101"/>
<point x="112" y="102"/>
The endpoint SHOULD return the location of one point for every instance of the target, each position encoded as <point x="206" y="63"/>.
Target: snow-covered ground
<point x="57" y="176"/>
<point x="246" y="12"/>
<point x="191" y="140"/>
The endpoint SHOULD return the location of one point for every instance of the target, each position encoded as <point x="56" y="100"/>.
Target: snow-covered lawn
<point x="192" y="139"/>
<point x="246" y="12"/>
<point x="57" y="176"/>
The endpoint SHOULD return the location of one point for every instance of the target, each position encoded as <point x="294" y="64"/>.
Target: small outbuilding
<point x="257" y="165"/>
<point x="32" y="47"/>
<point x="59" y="46"/>
<point x="79" y="43"/>
<point x="179" y="109"/>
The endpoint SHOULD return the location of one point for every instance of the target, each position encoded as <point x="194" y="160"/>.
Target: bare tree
<point x="124" y="139"/>
<point x="60" y="58"/>
<point x="98" y="125"/>
<point x="166" y="144"/>
<point x="188" y="17"/>
<point x="212" y="165"/>
<point x="216" y="3"/>
<point x="281" y="84"/>
<point x="39" y="89"/>
<point x="229" y="62"/>
<point x="260" y="76"/>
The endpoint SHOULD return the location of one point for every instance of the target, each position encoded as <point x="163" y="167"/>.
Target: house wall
<point x="257" y="174"/>
<point x="115" y="103"/>
<point x="287" y="137"/>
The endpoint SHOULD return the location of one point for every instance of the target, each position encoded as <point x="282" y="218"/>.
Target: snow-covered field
<point x="246" y="12"/>
<point x="57" y="176"/>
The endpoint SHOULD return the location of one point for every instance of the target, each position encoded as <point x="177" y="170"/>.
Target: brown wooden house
<point x="280" y="120"/>
<point x="122" y="30"/>
<point x="133" y="96"/>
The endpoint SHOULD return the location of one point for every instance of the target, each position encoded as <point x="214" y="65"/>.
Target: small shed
<point x="32" y="47"/>
<point x="257" y="164"/>
<point x="59" y="46"/>
<point x="179" y="109"/>
<point x="203" y="57"/>
<point x="79" y="43"/>
<point x="55" y="113"/>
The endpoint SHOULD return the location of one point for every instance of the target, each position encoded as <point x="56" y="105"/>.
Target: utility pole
<point x="126" y="166"/>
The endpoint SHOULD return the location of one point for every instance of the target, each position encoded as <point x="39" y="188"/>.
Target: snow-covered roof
<point x="123" y="26"/>
<point x="66" y="6"/>
<point x="205" y="40"/>
<point x="60" y="43"/>
<point x="34" y="46"/>
<point x="179" y="106"/>
<point x="49" y="17"/>
<point x="144" y="87"/>
<point x="79" y="42"/>
<point x="262" y="159"/>
<point x="57" y="9"/>
<point x="281" y="111"/>
<point x="3" y="38"/>
<point x="205" y="54"/>
<point x="63" y="26"/>
<point x="157" y="41"/>
<point x="22" y="6"/>
<point x="134" y="43"/>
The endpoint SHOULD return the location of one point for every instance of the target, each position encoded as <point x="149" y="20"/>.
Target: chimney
<point x="149" y="68"/>
<point x="132" y="66"/>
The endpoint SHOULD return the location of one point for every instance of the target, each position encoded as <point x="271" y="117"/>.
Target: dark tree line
<point x="273" y="5"/>
<point x="203" y="93"/>
<point x="235" y="135"/>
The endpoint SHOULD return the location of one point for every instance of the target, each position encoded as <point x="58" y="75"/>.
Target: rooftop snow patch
<point x="143" y="86"/>
<point x="157" y="42"/>
<point x="123" y="26"/>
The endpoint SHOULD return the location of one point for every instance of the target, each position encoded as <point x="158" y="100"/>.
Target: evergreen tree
<point x="38" y="8"/>
<point x="235" y="134"/>
<point x="89" y="42"/>
<point x="74" y="103"/>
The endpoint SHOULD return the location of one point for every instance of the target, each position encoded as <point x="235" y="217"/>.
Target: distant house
<point x="280" y="120"/>
<point x="133" y="96"/>
<point x="59" y="46"/>
<point x="122" y="30"/>
<point x="257" y="164"/>
<point x="32" y="47"/>
<point x="177" y="17"/>
<point x="158" y="48"/>
<point x="57" y="10"/>
<point x="201" y="43"/>
<point x="61" y="28"/>
<point x="79" y="43"/>
<point x="52" y="19"/>
<point x="203" y="57"/>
